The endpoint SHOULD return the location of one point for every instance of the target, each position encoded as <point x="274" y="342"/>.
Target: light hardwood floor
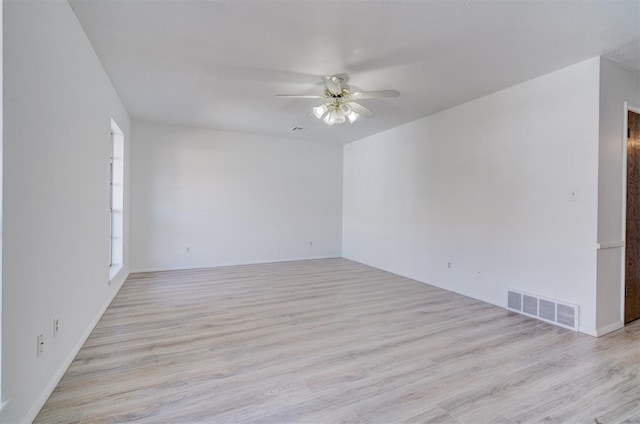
<point x="329" y="341"/>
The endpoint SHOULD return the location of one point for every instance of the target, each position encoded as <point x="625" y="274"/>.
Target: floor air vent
<point x="549" y="310"/>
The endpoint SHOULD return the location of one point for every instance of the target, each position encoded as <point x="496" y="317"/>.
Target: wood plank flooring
<point x="334" y="341"/>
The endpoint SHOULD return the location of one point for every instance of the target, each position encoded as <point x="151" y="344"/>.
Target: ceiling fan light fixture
<point x="319" y="111"/>
<point x="335" y="113"/>
<point x="327" y="119"/>
<point x="334" y="117"/>
<point x="347" y="111"/>
<point x="340" y="102"/>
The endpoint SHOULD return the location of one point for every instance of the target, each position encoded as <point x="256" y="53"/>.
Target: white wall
<point x="231" y="198"/>
<point x="486" y="185"/>
<point x="57" y="112"/>
<point x="1" y="134"/>
<point x="617" y="85"/>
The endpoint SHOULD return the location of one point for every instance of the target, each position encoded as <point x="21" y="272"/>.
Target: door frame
<point x="628" y="107"/>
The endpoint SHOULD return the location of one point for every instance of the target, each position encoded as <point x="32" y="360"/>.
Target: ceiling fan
<point x="339" y="101"/>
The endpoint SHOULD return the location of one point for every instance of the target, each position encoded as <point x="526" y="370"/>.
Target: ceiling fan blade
<point x="300" y="96"/>
<point x="361" y="110"/>
<point x="375" y="94"/>
<point x="333" y="83"/>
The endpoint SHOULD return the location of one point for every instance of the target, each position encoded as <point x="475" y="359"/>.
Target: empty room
<point x="258" y="211"/>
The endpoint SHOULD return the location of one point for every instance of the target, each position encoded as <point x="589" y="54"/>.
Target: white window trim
<point x="115" y="268"/>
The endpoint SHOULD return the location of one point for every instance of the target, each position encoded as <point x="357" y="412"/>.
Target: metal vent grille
<point x="566" y="315"/>
<point x="530" y="305"/>
<point x="549" y="310"/>
<point x="515" y="301"/>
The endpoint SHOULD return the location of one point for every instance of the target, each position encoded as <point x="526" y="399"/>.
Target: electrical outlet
<point x="188" y="249"/>
<point x="310" y="243"/>
<point x="450" y="265"/>
<point x="40" y="340"/>
<point x="479" y="273"/>
<point x="56" y="326"/>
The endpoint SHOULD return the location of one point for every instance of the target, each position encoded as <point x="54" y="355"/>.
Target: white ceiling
<point x="219" y="64"/>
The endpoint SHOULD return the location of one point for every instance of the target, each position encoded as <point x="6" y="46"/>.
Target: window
<point x="116" y="199"/>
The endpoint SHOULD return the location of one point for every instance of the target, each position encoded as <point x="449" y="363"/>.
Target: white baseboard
<point x="609" y="328"/>
<point x="501" y="304"/>
<point x="46" y="392"/>
<point x="601" y="331"/>
<point x="588" y="331"/>
<point x="222" y="264"/>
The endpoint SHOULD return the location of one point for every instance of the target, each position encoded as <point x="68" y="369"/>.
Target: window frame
<point x="116" y="200"/>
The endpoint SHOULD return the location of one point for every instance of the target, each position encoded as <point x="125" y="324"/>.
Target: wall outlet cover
<point x="40" y="341"/>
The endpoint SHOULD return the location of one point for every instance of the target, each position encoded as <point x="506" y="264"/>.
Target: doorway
<point x="632" y="236"/>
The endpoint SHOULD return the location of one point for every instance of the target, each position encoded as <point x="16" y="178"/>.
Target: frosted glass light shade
<point x="318" y="111"/>
<point x="345" y="108"/>
<point x="335" y="117"/>
<point x="335" y="113"/>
